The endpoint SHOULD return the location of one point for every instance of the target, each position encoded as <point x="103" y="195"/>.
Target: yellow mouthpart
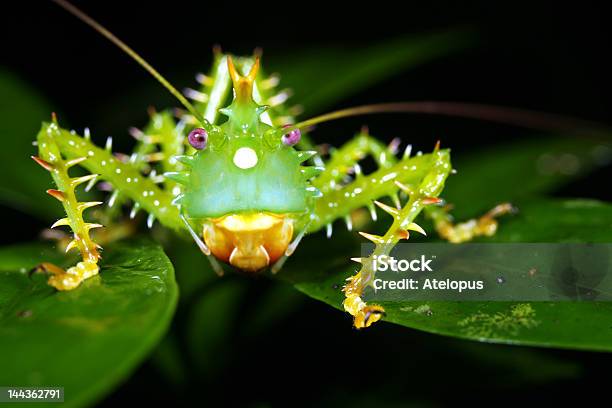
<point x="249" y="242"/>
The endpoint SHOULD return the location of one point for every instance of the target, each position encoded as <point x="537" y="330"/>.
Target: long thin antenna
<point x="129" y="51"/>
<point x="510" y="116"/>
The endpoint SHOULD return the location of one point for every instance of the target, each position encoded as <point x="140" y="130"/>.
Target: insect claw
<point x="86" y="133"/>
<point x="329" y="230"/>
<point x="54" y="117"/>
<point x="416" y="227"/>
<point x="60" y="222"/>
<point x="437" y="146"/>
<point x="56" y="194"/>
<point x="394" y="212"/>
<point x="358" y="260"/>
<point x="44" y="164"/>
<point x="374" y="238"/>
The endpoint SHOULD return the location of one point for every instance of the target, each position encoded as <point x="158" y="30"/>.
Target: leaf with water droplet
<point x="90" y="339"/>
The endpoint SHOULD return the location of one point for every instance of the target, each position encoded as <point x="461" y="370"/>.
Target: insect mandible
<point x="244" y="181"/>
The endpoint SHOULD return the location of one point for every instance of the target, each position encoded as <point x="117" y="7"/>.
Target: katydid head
<point x="245" y="182"/>
<point x="244" y="164"/>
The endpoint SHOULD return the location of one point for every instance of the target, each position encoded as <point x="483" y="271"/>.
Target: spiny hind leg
<point x="486" y="225"/>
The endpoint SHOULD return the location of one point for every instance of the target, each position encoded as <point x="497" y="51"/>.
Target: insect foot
<point x="468" y="230"/>
<point x="364" y="315"/>
<point x="72" y="277"/>
<point x="51" y="160"/>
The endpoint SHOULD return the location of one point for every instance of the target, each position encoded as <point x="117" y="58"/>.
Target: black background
<point x="539" y="55"/>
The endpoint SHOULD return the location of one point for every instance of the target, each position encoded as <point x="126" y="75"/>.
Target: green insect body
<point x="242" y="187"/>
<point x="220" y="181"/>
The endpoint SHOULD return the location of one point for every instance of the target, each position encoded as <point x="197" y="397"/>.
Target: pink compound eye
<point x="198" y="138"/>
<point x="291" y="138"/>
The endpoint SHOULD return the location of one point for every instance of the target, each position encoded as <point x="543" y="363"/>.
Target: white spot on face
<point x="245" y="158"/>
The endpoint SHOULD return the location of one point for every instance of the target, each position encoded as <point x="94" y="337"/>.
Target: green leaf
<point x="90" y="339"/>
<point x="22" y="110"/>
<point x="321" y="269"/>
<point x="321" y="77"/>
<point x="210" y="324"/>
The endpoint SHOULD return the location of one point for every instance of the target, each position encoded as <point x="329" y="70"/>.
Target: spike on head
<point x="243" y="85"/>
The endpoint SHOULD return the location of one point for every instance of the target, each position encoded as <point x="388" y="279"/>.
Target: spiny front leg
<point x="420" y="195"/>
<point x="51" y="160"/>
<point x="421" y="177"/>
